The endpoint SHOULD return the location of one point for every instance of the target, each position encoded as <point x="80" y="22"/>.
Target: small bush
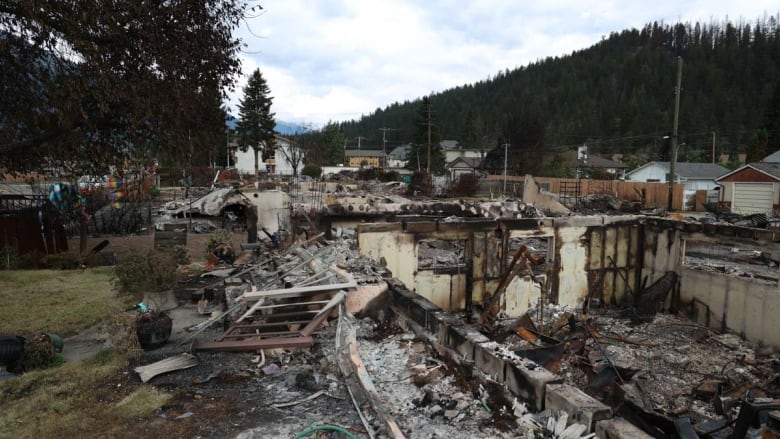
<point x="466" y="186"/>
<point x="142" y="272"/>
<point x="367" y="174"/>
<point x="62" y="261"/>
<point x="219" y="237"/>
<point x="312" y="171"/>
<point x="390" y="176"/>
<point x="182" y="255"/>
<point x="8" y="258"/>
<point x="421" y="184"/>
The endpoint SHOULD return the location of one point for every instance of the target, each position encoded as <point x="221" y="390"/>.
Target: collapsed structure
<point x="618" y="326"/>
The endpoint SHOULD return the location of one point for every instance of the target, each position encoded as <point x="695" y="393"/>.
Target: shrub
<point x="367" y="174"/>
<point x="62" y="261"/>
<point x="312" y="171"/>
<point x="217" y="238"/>
<point x="421" y="184"/>
<point x="466" y="185"/>
<point x="8" y="258"/>
<point x="182" y="255"/>
<point x="390" y="176"/>
<point x="142" y="272"/>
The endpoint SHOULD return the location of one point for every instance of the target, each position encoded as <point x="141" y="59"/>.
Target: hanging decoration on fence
<point x="64" y="196"/>
<point x="117" y="191"/>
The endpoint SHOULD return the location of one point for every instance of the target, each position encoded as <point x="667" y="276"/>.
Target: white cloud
<point x="336" y="60"/>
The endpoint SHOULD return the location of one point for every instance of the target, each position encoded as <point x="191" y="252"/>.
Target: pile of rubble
<point x="663" y="374"/>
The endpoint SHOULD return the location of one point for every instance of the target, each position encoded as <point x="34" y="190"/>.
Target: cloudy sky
<point x="337" y="59"/>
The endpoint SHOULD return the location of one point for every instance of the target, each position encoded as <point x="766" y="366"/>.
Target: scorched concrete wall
<point x="745" y="306"/>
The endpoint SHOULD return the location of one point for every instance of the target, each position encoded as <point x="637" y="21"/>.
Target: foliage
<point x="37" y="261"/>
<point x="389" y="176"/>
<point x="294" y="155"/>
<point x="104" y="81"/>
<point x="312" y="171"/>
<point x="182" y="255"/>
<point x="324" y="147"/>
<point x="427" y="133"/>
<point x="333" y="143"/>
<point x="558" y="168"/>
<point x="145" y="272"/>
<point x="617" y="96"/>
<point x="421" y="184"/>
<point x="772" y="119"/>
<point x="219" y="237"/>
<point x="465" y="186"/>
<point x="757" y="148"/>
<point x="8" y="258"/>
<point x="367" y="174"/>
<point x="256" y="123"/>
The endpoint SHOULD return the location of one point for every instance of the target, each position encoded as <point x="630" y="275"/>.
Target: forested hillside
<point x="618" y="97"/>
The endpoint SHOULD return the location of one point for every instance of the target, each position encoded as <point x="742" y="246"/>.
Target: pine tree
<point x="255" y="128"/>
<point x="427" y="133"/>
<point x="333" y="141"/>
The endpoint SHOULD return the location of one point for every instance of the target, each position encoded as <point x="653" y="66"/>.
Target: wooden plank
<point x="179" y="362"/>
<point x="254" y="344"/>
<point x="283" y="293"/>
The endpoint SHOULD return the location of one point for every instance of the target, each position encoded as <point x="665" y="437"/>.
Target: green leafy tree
<point x="333" y="144"/>
<point x="772" y="120"/>
<point x="426" y="138"/>
<point x="757" y="148"/>
<point x="312" y="170"/>
<point x="87" y="84"/>
<point x="256" y="123"/>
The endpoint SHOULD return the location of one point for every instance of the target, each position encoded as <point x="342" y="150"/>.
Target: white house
<point x="693" y="176"/>
<point x="454" y="150"/>
<point x="397" y="157"/>
<point x="279" y="165"/>
<point x="463" y="165"/>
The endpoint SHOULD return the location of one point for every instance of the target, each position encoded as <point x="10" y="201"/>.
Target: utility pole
<point x="359" y="138"/>
<point x="428" y="111"/>
<point x="384" y="131"/>
<point x="506" y="156"/>
<point x="673" y="162"/>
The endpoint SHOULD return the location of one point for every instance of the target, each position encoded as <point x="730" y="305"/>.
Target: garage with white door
<point x="752" y="198"/>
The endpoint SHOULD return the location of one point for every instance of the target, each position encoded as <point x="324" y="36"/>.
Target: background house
<point x="369" y="157"/>
<point x="601" y="168"/>
<point x="279" y="164"/>
<point x="397" y="157"/>
<point x="463" y="165"/>
<point x="749" y="189"/>
<point x="453" y="150"/>
<point x="693" y="176"/>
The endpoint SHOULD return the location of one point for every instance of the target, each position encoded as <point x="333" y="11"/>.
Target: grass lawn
<point x="56" y="301"/>
<point x="89" y="398"/>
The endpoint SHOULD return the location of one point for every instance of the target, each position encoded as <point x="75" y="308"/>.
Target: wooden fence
<point x="656" y="194"/>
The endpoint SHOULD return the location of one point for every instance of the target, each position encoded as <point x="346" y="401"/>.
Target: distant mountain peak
<point x="283" y="128"/>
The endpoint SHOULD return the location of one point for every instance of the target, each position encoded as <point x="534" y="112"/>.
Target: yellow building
<point x="365" y="157"/>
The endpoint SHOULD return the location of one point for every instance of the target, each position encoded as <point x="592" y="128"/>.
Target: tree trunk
<point x="257" y="166"/>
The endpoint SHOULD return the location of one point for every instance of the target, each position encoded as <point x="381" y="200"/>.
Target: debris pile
<point x="654" y="372"/>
